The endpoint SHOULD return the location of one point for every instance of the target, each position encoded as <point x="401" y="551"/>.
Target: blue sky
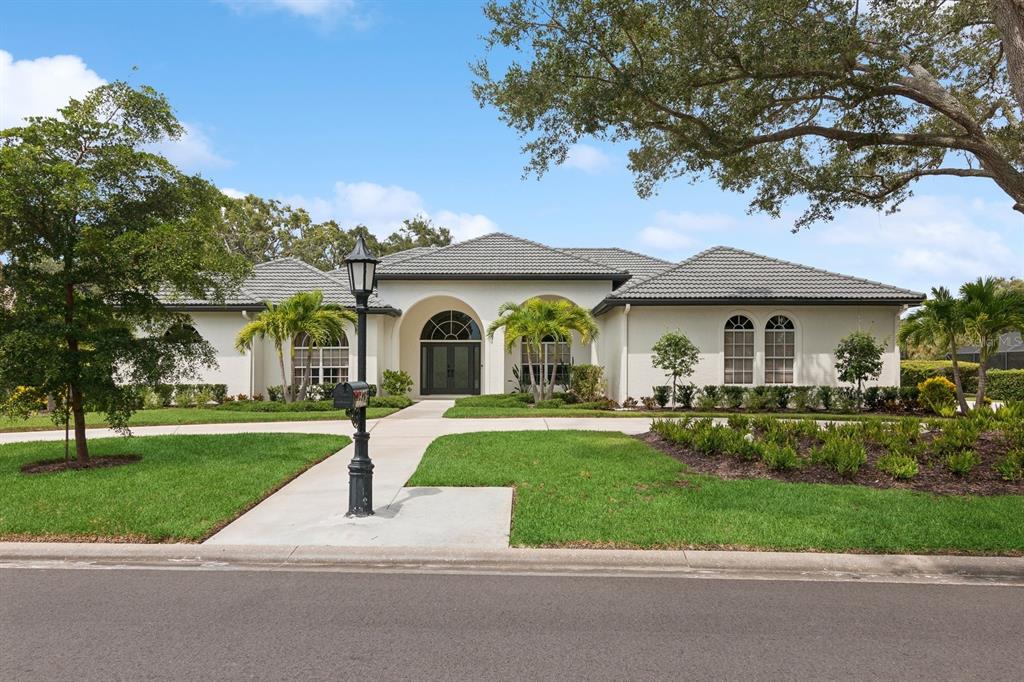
<point x="362" y="112"/>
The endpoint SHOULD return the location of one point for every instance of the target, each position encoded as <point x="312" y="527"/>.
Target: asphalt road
<point x="226" y="625"/>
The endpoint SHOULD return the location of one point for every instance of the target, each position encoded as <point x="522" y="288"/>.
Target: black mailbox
<point x="351" y="395"/>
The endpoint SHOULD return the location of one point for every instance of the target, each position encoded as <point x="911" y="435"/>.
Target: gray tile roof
<point x="638" y="265"/>
<point x="276" y="280"/>
<point x="723" y="274"/>
<point x="498" y="256"/>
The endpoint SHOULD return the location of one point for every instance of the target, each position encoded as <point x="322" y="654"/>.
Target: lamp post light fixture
<point x="362" y="278"/>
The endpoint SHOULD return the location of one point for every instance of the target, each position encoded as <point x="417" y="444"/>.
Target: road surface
<point x="141" y="624"/>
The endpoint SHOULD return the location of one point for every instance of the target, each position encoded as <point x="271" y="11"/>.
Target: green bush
<point x="1011" y="465"/>
<point x="733" y="396"/>
<point x="278" y="406"/>
<point x="909" y="397"/>
<point x="873" y="398"/>
<point x="738" y="422"/>
<point x="781" y="395"/>
<point x="396" y="382"/>
<point x="899" y="466"/>
<point x="758" y="399"/>
<point x="780" y="457"/>
<point x="913" y="372"/>
<point x="275" y="393"/>
<point x="551" y="403"/>
<point x="203" y="396"/>
<point x="685" y="393"/>
<point x="956" y="436"/>
<point x="662" y="394"/>
<point x="395" y="401"/>
<point x="713" y="440"/>
<point x="587" y="382"/>
<point x="165" y="392"/>
<point x="938" y="393"/>
<point x="825" y="396"/>
<point x="845" y="456"/>
<point x="1005" y="384"/>
<point x="709" y="398"/>
<point x="962" y="462"/>
<point x="674" y="430"/>
<point x="496" y="400"/>
<point x="185" y="395"/>
<point x="804" y="398"/>
<point x="847" y="399"/>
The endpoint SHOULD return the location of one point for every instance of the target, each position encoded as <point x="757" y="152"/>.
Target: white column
<point x="493" y="375"/>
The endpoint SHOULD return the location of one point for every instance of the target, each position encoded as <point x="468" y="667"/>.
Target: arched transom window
<point x="779" y="342"/>
<point x="451" y="325"/>
<point x="326" y="364"/>
<point x="739" y="350"/>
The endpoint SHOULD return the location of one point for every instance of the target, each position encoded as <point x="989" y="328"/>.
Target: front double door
<point x="450" y="368"/>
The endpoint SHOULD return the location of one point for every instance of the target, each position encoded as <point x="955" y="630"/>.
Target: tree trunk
<point x="529" y="368"/>
<point x="982" y="371"/>
<point x="673" y="391"/>
<point x="1008" y="16"/>
<point x="78" y="411"/>
<point x="285" y="387"/>
<point x="961" y="399"/>
<point x="307" y="379"/>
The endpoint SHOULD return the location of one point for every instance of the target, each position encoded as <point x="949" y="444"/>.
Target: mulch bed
<point x="932" y="476"/>
<point x="49" y="466"/>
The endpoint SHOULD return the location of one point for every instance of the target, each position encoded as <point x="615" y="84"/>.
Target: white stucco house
<point x="755" y="319"/>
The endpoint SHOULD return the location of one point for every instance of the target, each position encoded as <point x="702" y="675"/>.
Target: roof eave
<point x="619" y="277"/>
<point x="612" y="302"/>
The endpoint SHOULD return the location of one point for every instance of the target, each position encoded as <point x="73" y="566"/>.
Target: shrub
<point x="648" y="402"/>
<point x="873" y="398"/>
<point x="495" y="400"/>
<point x="956" y="436"/>
<point x="741" y="445"/>
<point x="241" y="396"/>
<point x="713" y="440"/>
<point x="825" y="396"/>
<point x="738" y="422"/>
<point x="550" y="403"/>
<point x="203" y="396"/>
<point x="1005" y="384"/>
<point x="845" y="456"/>
<point x="962" y="462"/>
<point x="165" y="392"/>
<point x="781" y="396"/>
<point x="847" y="399"/>
<point x="396" y="382"/>
<point x="709" y="397"/>
<point x="150" y="399"/>
<point x="219" y="392"/>
<point x="184" y="395"/>
<point x="685" y="394"/>
<point x="661" y="395"/>
<point x="889" y="396"/>
<point x="900" y="467"/>
<point x="913" y="372"/>
<point x="732" y="396"/>
<point x="630" y="403"/>
<point x="909" y="397"/>
<point x="278" y="406"/>
<point x="937" y="393"/>
<point x="758" y="398"/>
<point x="396" y="401"/>
<point x="1010" y="466"/>
<point x="804" y="398"/>
<point x="780" y="457"/>
<point x="587" y="382"/>
<point x="276" y="393"/>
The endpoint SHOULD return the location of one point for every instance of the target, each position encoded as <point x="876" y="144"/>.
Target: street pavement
<point x="152" y="624"/>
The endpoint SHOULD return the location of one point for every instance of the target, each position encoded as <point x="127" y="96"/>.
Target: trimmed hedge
<point x="1002" y="384"/>
<point x="395" y="401"/>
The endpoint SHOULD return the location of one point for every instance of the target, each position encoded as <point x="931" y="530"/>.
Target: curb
<point x="582" y="562"/>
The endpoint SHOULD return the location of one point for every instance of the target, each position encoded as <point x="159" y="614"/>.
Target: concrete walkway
<point x="311" y="509"/>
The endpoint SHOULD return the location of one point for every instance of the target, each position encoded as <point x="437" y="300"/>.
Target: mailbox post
<point x="362" y="276"/>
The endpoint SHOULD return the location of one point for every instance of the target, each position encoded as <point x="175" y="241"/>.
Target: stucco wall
<point x="818" y="330"/>
<point x="220" y="329"/>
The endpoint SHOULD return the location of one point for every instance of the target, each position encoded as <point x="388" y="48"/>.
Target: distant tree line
<point x="264" y="229"/>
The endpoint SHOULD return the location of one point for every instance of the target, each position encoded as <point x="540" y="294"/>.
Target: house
<point x="755" y="319"/>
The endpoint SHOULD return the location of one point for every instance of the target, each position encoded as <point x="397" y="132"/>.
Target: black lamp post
<point x="362" y="277"/>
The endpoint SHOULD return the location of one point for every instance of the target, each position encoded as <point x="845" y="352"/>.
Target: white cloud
<point x="38" y="87"/>
<point x="233" y="193"/>
<point x="931" y="240"/>
<point x="587" y="159"/>
<point x="329" y="11"/>
<point x="675" y="231"/>
<point x="382" y="208"/>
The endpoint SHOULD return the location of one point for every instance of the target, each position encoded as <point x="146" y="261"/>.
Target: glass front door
<point x="450" y="368"/>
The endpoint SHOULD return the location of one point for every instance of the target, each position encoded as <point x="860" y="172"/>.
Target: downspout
<point x="252" y="363"/>
<point x="625" y="346"/>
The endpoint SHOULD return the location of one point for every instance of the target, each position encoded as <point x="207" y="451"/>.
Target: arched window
<point x="451" y="325"/>
<point x="739" y="350"/>
<point x="327" y="364"/>
<point x="779" y="342"/>
<point x="182" y="333"/>
<point x="552" y="353"/>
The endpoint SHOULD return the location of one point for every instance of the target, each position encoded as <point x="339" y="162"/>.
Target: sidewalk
<point x="311" y="509"/>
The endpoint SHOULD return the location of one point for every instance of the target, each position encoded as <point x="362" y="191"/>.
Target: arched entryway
<point x="450" y="355"/>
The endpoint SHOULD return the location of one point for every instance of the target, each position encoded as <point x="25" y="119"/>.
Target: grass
<point x="185" y="487"/>
<point x="189" y="415"/>
<point x="474" y="412"/>
<point x="579" y="488"/>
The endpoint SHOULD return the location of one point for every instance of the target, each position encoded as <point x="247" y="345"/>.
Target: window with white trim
<point x="553" y="352"/>
<point x="779" y="350"/>
<point x="328" y="364"/>
<point x="739" y="350"/>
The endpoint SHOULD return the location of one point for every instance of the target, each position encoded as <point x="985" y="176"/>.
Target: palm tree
<point x="537" y="319"/>
<point x="939" y="322"/>
<point x="320" y="323"/>
<point x="305" y="313"/>
<point x="989" y="310"/>
<point x="274" y="323"/>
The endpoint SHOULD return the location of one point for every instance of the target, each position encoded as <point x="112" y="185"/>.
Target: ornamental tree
<point x="843" y="102"/>
<point x="676" y="354"/>
<point x="858" y="359"/>
<point x="94" y="225"/>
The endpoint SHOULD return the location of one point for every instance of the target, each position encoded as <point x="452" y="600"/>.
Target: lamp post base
<point x="360" y="477"/>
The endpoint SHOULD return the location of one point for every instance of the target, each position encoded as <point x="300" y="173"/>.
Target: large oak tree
<point x="843" y="102"/>
<point x="94" y="226"/>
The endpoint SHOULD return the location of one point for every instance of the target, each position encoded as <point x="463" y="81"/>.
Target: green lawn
<point x="460" y="412"/>
<point x="610" y="490"/>
<point x="184" y="488"/>
<point x="190" y="415"/>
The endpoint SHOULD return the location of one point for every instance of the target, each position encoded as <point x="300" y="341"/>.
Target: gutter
<point x="609" y="303"/>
